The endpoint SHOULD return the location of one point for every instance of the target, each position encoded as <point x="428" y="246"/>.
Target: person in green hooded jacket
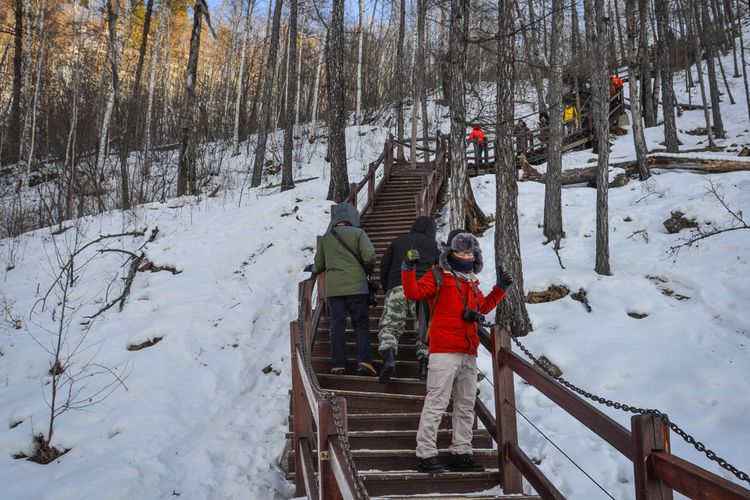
<point x="346" y="285"/>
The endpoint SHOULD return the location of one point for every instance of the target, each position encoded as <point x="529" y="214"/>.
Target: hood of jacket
<point x="345" y="212"/>
<point x="425" y="225"/>
<point x="459" y="239"/>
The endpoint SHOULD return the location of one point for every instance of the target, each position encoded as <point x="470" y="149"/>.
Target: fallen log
<point x="662" y="162"/>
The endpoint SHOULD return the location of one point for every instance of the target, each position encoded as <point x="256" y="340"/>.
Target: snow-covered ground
<point x="197" y="417"/>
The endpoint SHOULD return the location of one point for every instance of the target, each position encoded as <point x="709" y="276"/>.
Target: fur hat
<point x="461" y="240"/>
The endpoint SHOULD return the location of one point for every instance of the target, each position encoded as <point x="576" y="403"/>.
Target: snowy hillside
<point x="202" y="412"/>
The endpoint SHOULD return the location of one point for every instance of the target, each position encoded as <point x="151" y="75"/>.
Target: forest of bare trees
<point x="109" y="103"/>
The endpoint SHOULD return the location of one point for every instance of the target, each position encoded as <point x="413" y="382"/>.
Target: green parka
<point x="344" y="274"/>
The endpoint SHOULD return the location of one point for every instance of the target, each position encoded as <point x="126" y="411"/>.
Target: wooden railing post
<point x="650" y="433"/>
<point x="505" y="403"/>
<point x="301" y="420"/>
<point x="353" y="194"/>
<point x="327" y="485"/>
<point x="371" y="190"/>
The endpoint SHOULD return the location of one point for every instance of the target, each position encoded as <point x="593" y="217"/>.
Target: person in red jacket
<point x="477" y="137"/>
<point x="457" y="304"/>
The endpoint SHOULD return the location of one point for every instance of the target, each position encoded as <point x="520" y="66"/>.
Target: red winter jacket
<point x="476" y="133"/>
<point x="448" y="332"/>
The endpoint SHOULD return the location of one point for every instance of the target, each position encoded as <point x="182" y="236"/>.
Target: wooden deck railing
<point x="657" y="471"/>
<point x="537" y="139"/>
<point x="319" y="418"/>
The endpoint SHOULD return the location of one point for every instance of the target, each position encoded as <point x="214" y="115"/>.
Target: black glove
<point x="504" y="279"/>
<point x="308" y="268"/>
<point x="412" y="257"/>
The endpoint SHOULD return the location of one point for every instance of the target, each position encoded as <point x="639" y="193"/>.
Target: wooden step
<point x="406" y="460"/>
<point x="387" y="421"/>
<point x="406" y="369"/>
<point x="407" y="440"/>
<point x="371" y="384"/>
<point x="407" y="351"/>
<point x="416" y="483"/>
<point x="325" y="323"/>
<point x="358" y="402"/>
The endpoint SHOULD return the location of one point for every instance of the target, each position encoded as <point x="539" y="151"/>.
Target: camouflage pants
<point x="395" y="311"/>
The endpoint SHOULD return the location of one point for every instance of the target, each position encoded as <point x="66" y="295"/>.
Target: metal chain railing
<point x="337" y="420"/>
<point x="545" y="366"/>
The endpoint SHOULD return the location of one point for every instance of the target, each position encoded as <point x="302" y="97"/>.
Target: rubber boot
<point x="423" y="362"/>
<point x="389" y="365"/>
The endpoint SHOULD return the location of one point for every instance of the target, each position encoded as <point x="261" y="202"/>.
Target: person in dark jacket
<point x="346" y="285"/>
<point x="396" y="307"/>
<point x="456" y="302"/>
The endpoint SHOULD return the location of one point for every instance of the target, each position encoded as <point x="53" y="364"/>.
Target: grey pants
<point x="456" y="374"/>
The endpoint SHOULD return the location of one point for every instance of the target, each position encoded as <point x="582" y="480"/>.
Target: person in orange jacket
<point x="615" y="84"/>
<point x="477" y="137"/>
<point x="456" y="306"/>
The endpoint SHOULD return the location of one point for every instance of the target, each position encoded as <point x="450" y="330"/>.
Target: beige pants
<point x="449" y="373"/>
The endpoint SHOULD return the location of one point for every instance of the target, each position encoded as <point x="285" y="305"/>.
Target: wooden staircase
<point x="354" y="438"/>
<point x="383" y="418"/>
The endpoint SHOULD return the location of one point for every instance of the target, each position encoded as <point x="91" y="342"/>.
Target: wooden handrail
<point x="304" y="449"/>
<point x="533" y="475"/>
<point x="693" y="481"/>
<point x="606" y="428"/>
<point x="340" y="471"/>
<point x="657" y="471"/>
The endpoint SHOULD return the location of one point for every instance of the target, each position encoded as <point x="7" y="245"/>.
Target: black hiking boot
<point x="389" y="365"/>
<point x="429" y="465"/>
<point x="463" y="463"/>
<point x="423" y="362"/>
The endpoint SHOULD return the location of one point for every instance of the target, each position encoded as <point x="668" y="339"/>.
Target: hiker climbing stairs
<point x="383" y="419"/>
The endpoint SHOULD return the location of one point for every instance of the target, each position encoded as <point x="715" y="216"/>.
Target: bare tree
<point x="639" y="140"/>
<point x="596" y="32"/>
<point x="668" y="101"/>
<point x="400" y="77"/>
<point x="240" y="79"/>
<point x="338" y="188"/>
<point x="708" y="39"/>
<point x="553" y="225"/>
<point x="186" y="174"/>
<point x="459" y="26"/>
<point x="511" y="311"/>
<point x="287" y="180"/>
<point x="265" y="111"/>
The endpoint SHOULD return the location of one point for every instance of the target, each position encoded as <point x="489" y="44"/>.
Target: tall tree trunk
<point x="709" y="43"/>
<point x="639" y="139"/>
<point x="135" y="98"/>
<point x="114" y="49"/>
<point x="511" y="312"/>
<point x="744" y="67"/>
<point x="316" y="87"/>
<point x="14" y="124"/>
<point x="421" y="15"/>
<point x="287" y="180"/>
<point x="37" y="85"/>
<point x="240" y="79"/>
<point x="186" y="168"/>
<point x="145" y="168"/>
<point x="668" y="101"/>
<point x="647" y="93"/>
<point x="596" y="31"/>
<point x="338" y="189"/>
<point x="400" y="77"/>
<point x="459" y="19"/>
<point x="265" y="110"/>
<point x="699" y="68"/>
<point x="553" y="224"/>
<point x="360" y="49"/>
